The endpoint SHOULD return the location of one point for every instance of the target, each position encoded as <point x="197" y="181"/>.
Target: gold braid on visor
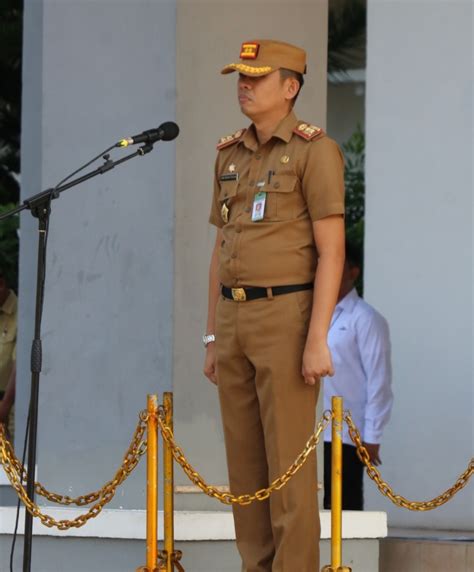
<point x="249" y="69"/>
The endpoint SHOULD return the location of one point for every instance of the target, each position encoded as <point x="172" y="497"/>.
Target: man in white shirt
<point x="359" y="341"/>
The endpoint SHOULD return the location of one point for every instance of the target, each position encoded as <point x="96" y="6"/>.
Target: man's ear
<point x="292" y="88"/>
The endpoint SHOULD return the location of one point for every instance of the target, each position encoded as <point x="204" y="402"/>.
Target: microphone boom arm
<point x="41" y="199"/>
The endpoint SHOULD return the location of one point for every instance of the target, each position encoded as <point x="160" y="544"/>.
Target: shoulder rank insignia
<point x="308" y="132"/>
<point x="230" y="139"/>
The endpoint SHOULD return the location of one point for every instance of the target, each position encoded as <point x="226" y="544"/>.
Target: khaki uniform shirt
<point x="8" y="324"/>
<point x="304" y="182"/>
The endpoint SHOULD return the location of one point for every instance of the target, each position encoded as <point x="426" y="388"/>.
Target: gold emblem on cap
<point x="225" y="213"/>
<point x="284" y="159"/>
<point x="232" y="168"/>
<point x="249" y="51"/>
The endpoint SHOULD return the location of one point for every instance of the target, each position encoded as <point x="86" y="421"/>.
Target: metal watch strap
<point x="207" y="339"/>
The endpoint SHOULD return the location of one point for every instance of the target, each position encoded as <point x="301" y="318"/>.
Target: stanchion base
<point x="337" y="569"/>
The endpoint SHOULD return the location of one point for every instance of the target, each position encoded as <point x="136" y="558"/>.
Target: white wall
<point x="107" y="328"/>
<point x="419" y="244"/>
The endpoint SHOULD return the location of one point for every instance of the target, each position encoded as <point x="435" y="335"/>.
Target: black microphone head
<point x="168" y="131"/>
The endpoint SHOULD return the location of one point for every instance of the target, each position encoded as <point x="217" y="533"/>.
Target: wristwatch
<point x="207" y="339"/>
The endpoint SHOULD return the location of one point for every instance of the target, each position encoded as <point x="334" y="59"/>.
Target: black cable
<point x="12" y="552"/>
<point x="43" y="279"/>
<point x="83" y="167"/>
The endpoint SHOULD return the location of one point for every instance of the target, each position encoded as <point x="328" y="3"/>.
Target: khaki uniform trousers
<point x="268" y="414"/>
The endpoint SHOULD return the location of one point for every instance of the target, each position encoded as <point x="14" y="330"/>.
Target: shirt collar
<point x="284" y="131"/>
<point x="348" y="303"/>
<point x="9" y="306"/>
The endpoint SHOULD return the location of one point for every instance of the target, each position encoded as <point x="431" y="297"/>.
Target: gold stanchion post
<point x="152" y="487"/>
<point x="336" y="489"/>
<point x="168" y="502"/>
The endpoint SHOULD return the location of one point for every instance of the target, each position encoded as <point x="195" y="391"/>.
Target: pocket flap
<point x="228" y="189"/>
<point x="284" y="183"/>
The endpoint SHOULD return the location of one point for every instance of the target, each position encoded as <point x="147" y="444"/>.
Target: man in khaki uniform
<point x="278" y="207"/>
<point x="8" y="328"/>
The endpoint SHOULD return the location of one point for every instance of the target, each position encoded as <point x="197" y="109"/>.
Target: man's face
<point x="260" y="96"/>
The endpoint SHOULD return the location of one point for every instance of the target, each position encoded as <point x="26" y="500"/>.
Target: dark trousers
<point x="352" y="478"/>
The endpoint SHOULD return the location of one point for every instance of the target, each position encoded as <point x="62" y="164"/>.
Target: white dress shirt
<point x="359" y="341"/>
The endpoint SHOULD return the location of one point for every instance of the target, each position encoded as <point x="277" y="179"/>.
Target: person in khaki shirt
<point x="275" y="270"/>
<point x="8" y="329"/>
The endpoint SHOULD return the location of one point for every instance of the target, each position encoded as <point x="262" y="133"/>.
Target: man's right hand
<point x="210" y="365"/>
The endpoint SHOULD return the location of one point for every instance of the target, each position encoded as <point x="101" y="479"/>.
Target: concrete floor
<point x="52" y="554"/>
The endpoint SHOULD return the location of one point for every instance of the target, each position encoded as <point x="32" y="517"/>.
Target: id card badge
<point x="258" y="208"/>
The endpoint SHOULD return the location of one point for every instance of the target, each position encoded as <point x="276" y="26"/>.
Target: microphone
<point x="167" y="131"/>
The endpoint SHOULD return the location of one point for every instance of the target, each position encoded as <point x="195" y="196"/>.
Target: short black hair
<point x="354" y="255"/>
<point x="286" y="73"/>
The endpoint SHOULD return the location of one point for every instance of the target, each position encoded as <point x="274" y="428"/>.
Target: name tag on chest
<point x="229" y="177"/>
<point x="258" y="208"/>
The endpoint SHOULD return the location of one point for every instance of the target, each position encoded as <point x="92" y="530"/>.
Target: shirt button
<point x="276" y="185"/>
<point x="251" y="183"/>
<point x="234" y="255"/>
<point x="247" y="209"/>
<point x="258" y="156"/>
<point x="238" y="228"/>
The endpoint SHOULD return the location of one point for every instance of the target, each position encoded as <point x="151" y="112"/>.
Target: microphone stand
<point x="40" y="207"/>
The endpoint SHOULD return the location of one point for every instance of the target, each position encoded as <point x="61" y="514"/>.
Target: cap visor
<point x="245" y="69"/>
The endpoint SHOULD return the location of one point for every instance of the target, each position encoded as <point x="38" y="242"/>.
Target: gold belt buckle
<point x="238" y="294"/>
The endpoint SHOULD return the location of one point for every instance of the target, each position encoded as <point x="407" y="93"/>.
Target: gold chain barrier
<point x="16" y="475"/>
<point x="387" y="490"/>
<point x="246" y="499"/>
<point x="168" y="559"/>
<point x="159" y="418"/>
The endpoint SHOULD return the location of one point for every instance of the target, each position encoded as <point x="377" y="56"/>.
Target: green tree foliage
<point x="11" y="27"/>
<point x="354" y="151"/>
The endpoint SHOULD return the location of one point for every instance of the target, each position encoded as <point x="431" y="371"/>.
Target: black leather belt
<point x="245" y="294"/>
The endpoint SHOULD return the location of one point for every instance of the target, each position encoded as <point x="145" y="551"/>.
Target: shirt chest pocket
<point x="284" y="199"/>
<point x="7" y="339"/>
<point x="227" y="199"/>
<point x="228" y="191"/>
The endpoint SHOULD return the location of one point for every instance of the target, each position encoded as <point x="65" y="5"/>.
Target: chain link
<point x="137" y="448"/>
<point x="246" y="499"/>
<point x="17" y="474"/>
<point x="387" y="490"/>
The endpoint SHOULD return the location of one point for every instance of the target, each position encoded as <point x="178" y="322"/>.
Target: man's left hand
<point x="317" y="362"/>
<point x="373" y="449"/>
